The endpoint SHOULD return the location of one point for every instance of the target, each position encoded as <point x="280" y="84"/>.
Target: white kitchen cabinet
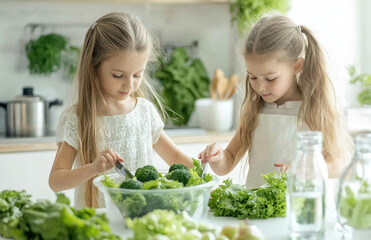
<point x="30" y="170"/>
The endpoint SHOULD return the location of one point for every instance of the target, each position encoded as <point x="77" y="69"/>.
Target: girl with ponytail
<point x="113" y="118"/>
<point x="287" y="90"/>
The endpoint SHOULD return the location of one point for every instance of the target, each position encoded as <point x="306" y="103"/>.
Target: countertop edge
<point x="49" y="145"/>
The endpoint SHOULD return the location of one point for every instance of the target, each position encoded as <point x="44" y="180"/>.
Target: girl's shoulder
<point x="144" y="104"/>
<point x="68" y="115"/>
<point x="68" y="112"/>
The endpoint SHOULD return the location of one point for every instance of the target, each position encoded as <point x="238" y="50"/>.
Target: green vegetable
<point x="246" y="12"/>
<point x="146" y="174"/>
<point x="48" y="221"/>
<point x="131" y="184"/>
<point x="12" y="203"/>
<point x="356" y="208"/>
<point x="364" y="98"/>
<point x="162" y="183"/>
<point x="138" y="204"/>
<point x="162" y="224"/>
<point x="183" y="82"/>
<point x="61" y="198"/>
<point x="49" y="53"/>
<point x="177" y="166"/>
<point x="108" y="182"/>
<point x="179" y="175"/>
<point x="264" y="202"/>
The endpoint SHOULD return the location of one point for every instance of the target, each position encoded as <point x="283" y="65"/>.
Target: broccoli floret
<point x="176" y="166"/>
<point x="156" y="201"/>
<point x="180" y="175"/>
<point x="133" y="205"/>
<point x="131" y="184"/>
<point x="145" y="175"/>
<point x="150" y="167"/>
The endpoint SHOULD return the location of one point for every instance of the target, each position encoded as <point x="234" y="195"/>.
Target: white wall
<point x="177" y="23"/>
<point x="339" y="25"/>
<point x="334" y="24"/>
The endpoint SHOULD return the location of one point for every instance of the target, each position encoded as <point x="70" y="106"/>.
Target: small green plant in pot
<point x="364" y="97"/>
<point x="183" y="82"/>
<point x="246" y="12"/>
<point x="50" y="53"/>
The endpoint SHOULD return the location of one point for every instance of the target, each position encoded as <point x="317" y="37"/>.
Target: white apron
<point x="274" y="140"/>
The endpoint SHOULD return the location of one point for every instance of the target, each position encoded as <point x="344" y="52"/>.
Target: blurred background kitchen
<point x="197" y="29"/>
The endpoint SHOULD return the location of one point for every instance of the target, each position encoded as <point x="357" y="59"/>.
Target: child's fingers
<point x="203" y="156"/>
<point x="112" y="154"/>
<point x="110" y="159"/>
<point x="119" y="158"/>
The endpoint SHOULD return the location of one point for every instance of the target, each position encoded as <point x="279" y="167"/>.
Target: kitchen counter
<point x="272" y="228"/>
<point x="179" y="136"/>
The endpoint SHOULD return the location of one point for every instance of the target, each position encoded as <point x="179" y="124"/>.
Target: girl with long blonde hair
<point x="287" y="90"/>
<point x="113" y="118"/>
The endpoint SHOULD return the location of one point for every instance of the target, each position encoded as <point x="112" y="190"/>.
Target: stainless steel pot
<point x="26" y="116"/>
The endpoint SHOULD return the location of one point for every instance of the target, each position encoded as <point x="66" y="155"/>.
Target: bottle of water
<point x="306" y="188"/>
<point x="354" y="195"/>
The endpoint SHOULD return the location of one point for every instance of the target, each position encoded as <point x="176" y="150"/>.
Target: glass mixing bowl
<point x="133" y="203"/>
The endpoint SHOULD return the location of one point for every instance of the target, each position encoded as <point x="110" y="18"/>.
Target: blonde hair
<point x="111" y="33"/>
<point x="279" y="36"/>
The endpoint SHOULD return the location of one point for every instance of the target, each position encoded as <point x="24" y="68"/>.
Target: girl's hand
<point x="284" y="166"/>
<point x="106" y="160"/>
<point x="212" y="153"/>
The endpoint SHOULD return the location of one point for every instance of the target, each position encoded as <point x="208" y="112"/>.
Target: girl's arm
<point x="222" y="161"/>
<point x="63" y="177"/>
<point x="168" y="151"/>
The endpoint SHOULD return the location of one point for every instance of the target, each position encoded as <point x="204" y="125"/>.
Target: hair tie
<point x="93" y="26"/>
<point x="299" y="29"/>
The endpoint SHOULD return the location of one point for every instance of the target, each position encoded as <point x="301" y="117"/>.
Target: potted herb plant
<point x="183" y="81"/>
<point x="50" y="53"/>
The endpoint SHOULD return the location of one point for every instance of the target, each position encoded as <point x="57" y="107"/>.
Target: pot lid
<point x="28" y="96"/>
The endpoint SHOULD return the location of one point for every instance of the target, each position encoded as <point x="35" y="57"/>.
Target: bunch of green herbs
<point x="50" y="53"/>
<point x="236" y="201"/>
<point x="183" y="82"/>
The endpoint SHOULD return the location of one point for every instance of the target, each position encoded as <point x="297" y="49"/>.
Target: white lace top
<point x="131" y="135"/>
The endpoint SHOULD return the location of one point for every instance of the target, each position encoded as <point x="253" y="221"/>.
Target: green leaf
<point x="183" y="82"/>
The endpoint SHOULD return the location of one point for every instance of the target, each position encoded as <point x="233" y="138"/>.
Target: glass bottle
<point x="306" y="188"/>
<point x="354" y="195"/>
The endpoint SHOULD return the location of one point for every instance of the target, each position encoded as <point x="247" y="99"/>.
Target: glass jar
<point x="354" y="195"/>
<point x="306" y="188"/>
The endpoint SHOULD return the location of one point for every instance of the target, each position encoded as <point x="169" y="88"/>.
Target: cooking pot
<point x="26" y="116"/>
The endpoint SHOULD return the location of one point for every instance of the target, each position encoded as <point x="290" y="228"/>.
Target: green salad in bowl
<point x="180" y="189"/>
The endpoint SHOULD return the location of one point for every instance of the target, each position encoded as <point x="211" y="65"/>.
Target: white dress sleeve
<point x="157" y="125"/>
<point x="67" y="130"/>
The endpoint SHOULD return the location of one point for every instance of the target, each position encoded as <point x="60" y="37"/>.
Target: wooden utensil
<point x="232" y="85"/>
